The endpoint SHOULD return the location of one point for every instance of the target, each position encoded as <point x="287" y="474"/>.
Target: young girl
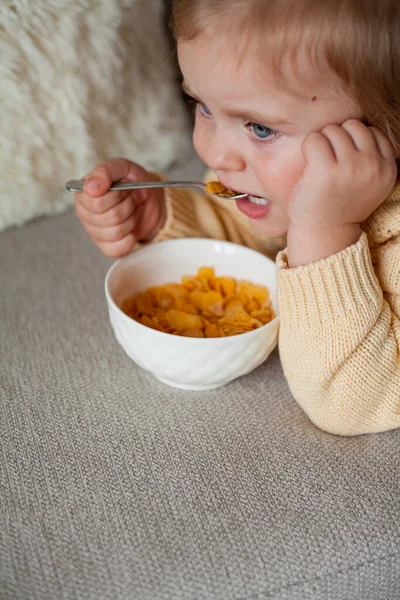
<point x="297" y="105"/>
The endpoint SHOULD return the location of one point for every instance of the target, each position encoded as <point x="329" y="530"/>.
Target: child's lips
<point x="253" y="206"/>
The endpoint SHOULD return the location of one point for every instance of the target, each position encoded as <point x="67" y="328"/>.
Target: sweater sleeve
<point x="339" y="337"/>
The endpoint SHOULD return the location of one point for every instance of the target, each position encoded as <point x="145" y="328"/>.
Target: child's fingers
<point x="385" y="148"/>
<point x="103" y="204"/>
<point x="150" y="217"/>
<point x="99" y="180"/>
<point x="361" y="134"/>
<point x="96" y="197"/>
<point x="316" y="148"/>
<point x="341" y="141"/>
<point x="118" y="249"/>
<point x="111" y="234"/>
<point x="115" y="215"/>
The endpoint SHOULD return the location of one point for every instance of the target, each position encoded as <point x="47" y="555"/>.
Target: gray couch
<point x="116" y="487"/>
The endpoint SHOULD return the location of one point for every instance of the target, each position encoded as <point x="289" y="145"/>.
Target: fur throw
<point x="82" y="81"/>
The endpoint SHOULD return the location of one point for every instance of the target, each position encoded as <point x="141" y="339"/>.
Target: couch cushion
<point x="115" y="486"/>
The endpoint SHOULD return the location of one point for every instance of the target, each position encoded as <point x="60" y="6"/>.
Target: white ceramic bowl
<point x="183" y="362"/>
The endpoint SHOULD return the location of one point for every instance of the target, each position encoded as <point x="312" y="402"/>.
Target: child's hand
<point x="117" y="220"/>
<point x="350" y="170"/>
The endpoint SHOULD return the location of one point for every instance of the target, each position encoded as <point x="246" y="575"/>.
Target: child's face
<point x="250" y="130"/>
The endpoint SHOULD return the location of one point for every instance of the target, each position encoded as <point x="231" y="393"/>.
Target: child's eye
<point x="262" y="133"/>
<point x="198" y="105"/>
<point x="204" y="110"/>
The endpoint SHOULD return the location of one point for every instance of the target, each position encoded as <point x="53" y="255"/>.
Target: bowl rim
<point x="157" y="333"/>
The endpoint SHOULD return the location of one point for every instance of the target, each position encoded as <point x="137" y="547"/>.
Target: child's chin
<point x="269" y="229"/>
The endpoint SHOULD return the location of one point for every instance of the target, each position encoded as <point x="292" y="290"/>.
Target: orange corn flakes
<point x="203" y="306"/>
<point x="215" y="187"/>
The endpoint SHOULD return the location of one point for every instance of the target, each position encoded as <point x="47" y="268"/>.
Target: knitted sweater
<point x="339" y="338"/>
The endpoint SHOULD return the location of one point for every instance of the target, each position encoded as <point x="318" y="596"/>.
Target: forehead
<point x="222" y="71"/>
<point x="226" y="61"/>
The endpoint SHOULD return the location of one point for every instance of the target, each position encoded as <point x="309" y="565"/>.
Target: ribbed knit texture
<point x="340" y="317"/>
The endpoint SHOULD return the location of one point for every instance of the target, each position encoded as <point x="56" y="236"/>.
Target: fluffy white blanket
<point x="81" y="81"/>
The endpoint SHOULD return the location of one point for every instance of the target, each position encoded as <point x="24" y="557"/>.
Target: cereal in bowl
<point x="203" y="306"/>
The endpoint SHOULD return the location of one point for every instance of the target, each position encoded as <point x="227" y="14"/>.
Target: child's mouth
<point x="254" y="207"/>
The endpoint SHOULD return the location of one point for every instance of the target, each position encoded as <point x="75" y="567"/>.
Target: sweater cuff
<point x="337" y="289"/>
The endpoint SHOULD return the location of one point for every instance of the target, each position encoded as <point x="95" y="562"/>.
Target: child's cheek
<point x="285" y="178"/>
<point x="199" y="143"/>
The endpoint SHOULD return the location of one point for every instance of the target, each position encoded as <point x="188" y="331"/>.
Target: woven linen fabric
<point x="115" y="487"/>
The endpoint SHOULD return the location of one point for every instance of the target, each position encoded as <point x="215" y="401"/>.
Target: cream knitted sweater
<point x="339" y="337"/>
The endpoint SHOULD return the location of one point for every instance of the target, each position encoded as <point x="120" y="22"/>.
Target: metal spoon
<point x="76" y="185"/>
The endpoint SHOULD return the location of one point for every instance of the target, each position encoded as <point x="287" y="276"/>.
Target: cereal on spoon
<point x="215" y="187"/>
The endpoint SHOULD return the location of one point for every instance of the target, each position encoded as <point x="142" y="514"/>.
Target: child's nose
<point x="224" y="157"/>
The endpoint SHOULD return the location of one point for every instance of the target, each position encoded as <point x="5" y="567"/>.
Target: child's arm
<point x="340" y="304"/>
<point x="119" y="221"/>
<point x="340" y="338"/>
<point x="340" y="316"/>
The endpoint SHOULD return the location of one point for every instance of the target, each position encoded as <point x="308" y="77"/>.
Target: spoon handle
<point x="76" y="185"/>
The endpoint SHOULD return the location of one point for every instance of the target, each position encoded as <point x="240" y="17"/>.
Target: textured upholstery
<point x="114" y="486"/>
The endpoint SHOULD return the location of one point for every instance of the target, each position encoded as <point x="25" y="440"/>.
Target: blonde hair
<point x="358" y="40"/>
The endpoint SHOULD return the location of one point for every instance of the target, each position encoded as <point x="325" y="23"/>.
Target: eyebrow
<point x="240" y="114"/>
